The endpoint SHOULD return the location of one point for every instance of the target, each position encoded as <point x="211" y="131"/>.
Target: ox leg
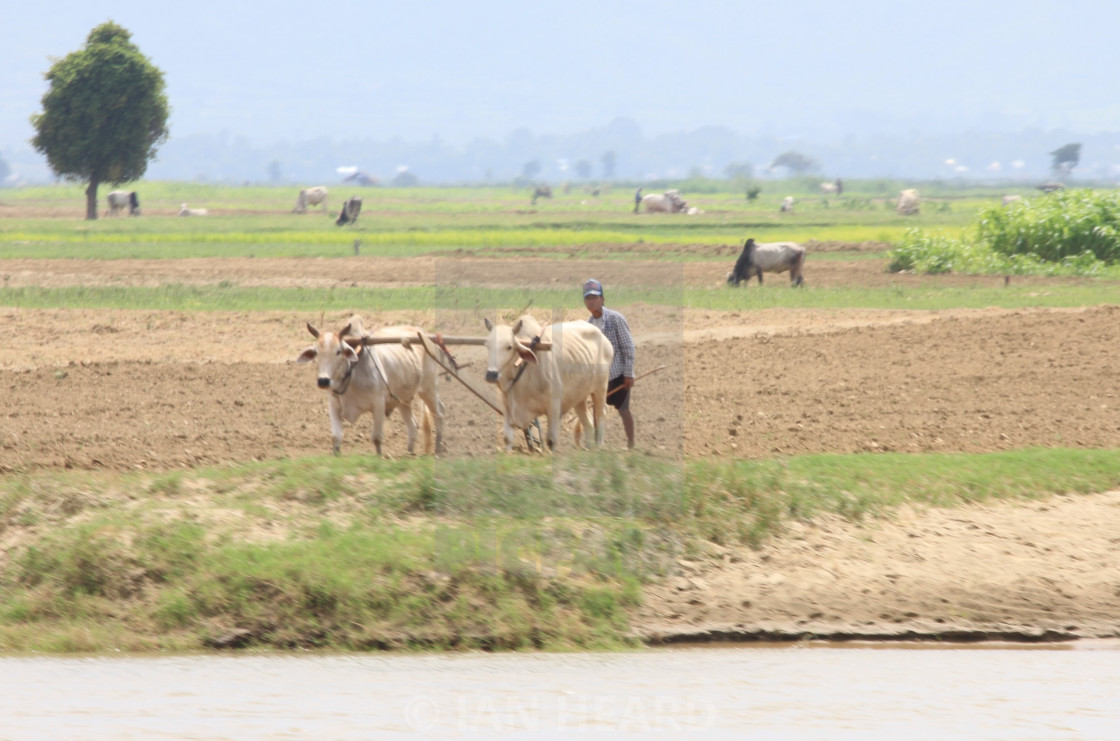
<point x="410" y="425"/>
<point x="507" y="432"/>
<point x="599" y="410"/>
<point x="336" y="426"/>
<point x="378" y="431"/>
<point x="554" y="422"/>
<point x="584" y="426"/>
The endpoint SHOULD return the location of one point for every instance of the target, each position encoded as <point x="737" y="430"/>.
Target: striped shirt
<point x="614" y="326"/>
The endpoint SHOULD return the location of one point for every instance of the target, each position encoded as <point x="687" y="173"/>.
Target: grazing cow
<point x="1008" y="200"/>
<point x="350" y="211"/>
<point x="184" y="211"/>
<point x="908" y="202"/>
<point x="377" y="379"/>
<point x="668" y="202"/>
<point x="774" y="257"/>
<point x="541" y="191"/>
<point x="828" y="189"/>
<point x="787" y="204"/>
<point x="311" y="197"/>
<point x="551" y="382"/>
<point x="118" y="199"/>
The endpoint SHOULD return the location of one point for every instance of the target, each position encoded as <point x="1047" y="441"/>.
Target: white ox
<point x="828" y="189"/>
<point x="121" y="199"/>
<point x="350" y="211"/>
<point x="773" y="257"/>
<point x="551" y="382"/>
<point x="787" y="204"/>
<point x="184" y="211"/>
<point x="376" y="379"/>
<point x="668" y="202"/>
<point x="1008" y="200"/>
<point x="311" y="197"/>
<point x="908" y="202"/>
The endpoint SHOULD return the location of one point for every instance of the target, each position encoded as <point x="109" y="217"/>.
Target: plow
<point x="436" y="347"/>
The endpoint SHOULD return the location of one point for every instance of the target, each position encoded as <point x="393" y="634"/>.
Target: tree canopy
<point x="796" y="162"/>
<point x="1065" y="158"/>
<point x="104" y="114"/>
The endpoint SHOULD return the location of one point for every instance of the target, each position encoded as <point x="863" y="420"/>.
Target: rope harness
<point x="376" y="365"/>
<point x="349" y="374"/>
<point x="532" y="346"/>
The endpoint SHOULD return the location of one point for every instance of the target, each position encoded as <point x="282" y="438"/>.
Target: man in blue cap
<point x="614" y="326"/>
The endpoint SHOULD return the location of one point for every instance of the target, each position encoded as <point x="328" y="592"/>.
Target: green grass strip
<point x="226" y="296"/>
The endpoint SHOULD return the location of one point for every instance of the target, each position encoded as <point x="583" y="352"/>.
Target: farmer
<point x="614" y="326"/>
<point x="637" y="199"/>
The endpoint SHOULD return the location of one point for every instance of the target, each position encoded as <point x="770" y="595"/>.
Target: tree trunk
<point x="91" y="200"/>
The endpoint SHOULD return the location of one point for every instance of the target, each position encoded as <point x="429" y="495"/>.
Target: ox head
<point x="336" y="357"/>
<point x="506" y="351"/>
<point x="743" y="265"/>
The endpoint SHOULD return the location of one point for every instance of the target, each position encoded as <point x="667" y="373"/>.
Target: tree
<point x="739" y="171"/>
<point x="795" y="161"/>
<point x="530" y="169"/>
<point x="104" y="113"/>
<point x="609" y="160"/>
<point x="1065" y="159"/>
<point x="583" y="169"/>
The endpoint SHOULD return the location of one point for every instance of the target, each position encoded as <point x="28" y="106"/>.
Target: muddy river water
<point x="851" y="692"/>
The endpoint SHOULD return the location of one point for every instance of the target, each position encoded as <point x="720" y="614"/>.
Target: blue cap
<point x="592" y="288"/>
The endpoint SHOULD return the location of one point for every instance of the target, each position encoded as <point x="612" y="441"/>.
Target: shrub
<point x="1056" y="228"/>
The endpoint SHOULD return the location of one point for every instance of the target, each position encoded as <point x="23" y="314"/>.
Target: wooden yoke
<point x="356" y="342"/>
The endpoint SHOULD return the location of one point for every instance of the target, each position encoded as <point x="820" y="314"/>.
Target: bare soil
<point x="123" y="390"/>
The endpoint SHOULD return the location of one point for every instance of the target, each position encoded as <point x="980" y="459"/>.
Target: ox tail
<point x="426" y="426"/>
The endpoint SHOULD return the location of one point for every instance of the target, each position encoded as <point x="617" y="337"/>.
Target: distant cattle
<point x="669" y="202"/>
<point x="828" y="189"/>
<point x="184" y="211"/>
<point x="541" y="191"/>
<point x="350" y="211"/>
<point x="119" y="199"/>
<point x="377" y="379"/>
<point x="1051" y="187"/>
<point x="551" y="382"/>
<point x="1008" y="200"/>
<point x="316" y="196"/>
<point x="908" y="203"/>
<point x="787" y="204"/>
<point x="773" y="257"/>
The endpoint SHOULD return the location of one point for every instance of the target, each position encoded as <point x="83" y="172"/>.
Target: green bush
<point x="1055" y="228"/>
<point x="1069" y="233"/>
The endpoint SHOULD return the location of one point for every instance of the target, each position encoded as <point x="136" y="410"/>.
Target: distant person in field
<point x="637" y="199"/>
<point x="614" y="326"/>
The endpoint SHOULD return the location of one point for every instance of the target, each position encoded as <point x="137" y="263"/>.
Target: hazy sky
<point x="276" y="70"/>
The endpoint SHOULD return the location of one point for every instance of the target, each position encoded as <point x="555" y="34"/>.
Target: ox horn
<point x="314" y="332"/>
